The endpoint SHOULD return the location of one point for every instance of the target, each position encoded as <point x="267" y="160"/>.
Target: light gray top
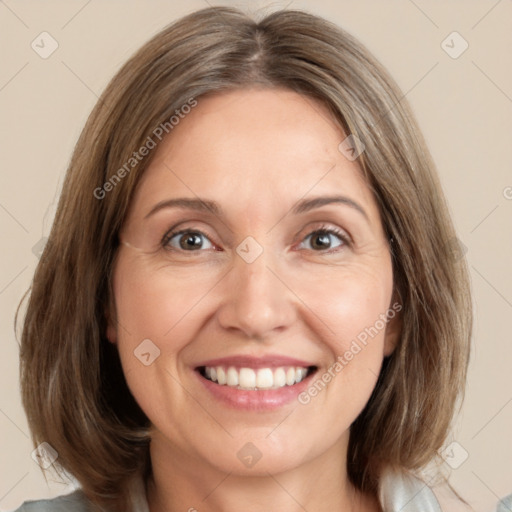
<point x="397" y="492"/>
<point x="78" y="502"/>
<point x="505" y="505"/>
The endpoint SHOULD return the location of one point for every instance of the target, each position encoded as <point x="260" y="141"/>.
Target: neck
<point x="179" y="483"/>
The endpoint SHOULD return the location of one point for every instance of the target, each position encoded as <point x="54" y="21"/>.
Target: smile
<point x="255" y="383"/>
<point x="256" y="379"/>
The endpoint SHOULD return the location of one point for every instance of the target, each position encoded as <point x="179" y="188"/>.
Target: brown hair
<point x="73" y="388"/>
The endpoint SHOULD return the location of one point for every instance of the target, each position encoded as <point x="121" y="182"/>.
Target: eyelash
<point x="321" y="230"/>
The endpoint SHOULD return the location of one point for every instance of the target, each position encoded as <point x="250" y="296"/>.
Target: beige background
<point x="464" y="107"/>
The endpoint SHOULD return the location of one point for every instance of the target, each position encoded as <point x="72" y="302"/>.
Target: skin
<point x="256" y="152"/>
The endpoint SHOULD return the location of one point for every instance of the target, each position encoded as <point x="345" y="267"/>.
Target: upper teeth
<point x="262" y="378"/>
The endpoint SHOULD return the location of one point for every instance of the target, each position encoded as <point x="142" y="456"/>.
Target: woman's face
<point x="269" y="286"/>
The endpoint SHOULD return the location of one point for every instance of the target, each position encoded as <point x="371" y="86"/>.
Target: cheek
<point x="158" y="314"/>
<point x="154" y="302"/>
<point x="350" y="303"/>
<point x="350" y="310"/>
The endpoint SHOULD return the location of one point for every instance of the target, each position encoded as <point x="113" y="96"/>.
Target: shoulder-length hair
<point x="73" y="388"/>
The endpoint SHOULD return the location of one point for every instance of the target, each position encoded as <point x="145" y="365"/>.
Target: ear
<point x="394" y="326"/>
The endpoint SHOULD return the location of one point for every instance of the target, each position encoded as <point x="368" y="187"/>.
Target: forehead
<point x="265" y="124"/>
<point x="253" y="145"/>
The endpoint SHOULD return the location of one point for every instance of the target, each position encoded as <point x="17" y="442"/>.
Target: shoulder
<point x="505" y="504"/>
<point x="78" y="502"/>
<point x="401" y="490"/>
<point x="74" y="502"/>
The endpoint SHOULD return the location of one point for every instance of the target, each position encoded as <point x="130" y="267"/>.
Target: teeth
<point x="221" y="375"/>
<point x="300" y="374"/>
<point x="290" y="376"/>
<point x="247" y="378"/>
<point x="279" y="377"/>
<point x="262" y="378"/>
<point x="232" y="377"/>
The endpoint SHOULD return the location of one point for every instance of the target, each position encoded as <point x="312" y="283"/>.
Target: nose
<point x="257" y="300"/>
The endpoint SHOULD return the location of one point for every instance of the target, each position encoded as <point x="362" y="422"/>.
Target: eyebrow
<point x="206" y="205"/>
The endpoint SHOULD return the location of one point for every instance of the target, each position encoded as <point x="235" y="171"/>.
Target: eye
<point x="187" y="240"/>
<point x="194" y="240"/>
<point x="324" y="239"/>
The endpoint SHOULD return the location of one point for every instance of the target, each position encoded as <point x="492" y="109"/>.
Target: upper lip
<point x="267" y="361"/>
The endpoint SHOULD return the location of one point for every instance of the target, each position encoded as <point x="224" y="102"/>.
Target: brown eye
<point x="187" y="240"/>
<point x="325" y="239"/>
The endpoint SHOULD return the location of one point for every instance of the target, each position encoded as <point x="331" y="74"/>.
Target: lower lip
<point x="263" y="400"/>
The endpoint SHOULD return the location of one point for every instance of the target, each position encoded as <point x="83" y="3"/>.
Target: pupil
<point x="324" y="240"/>
<point x="189" y="241"/>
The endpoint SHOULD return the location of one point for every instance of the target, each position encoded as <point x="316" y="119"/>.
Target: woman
<point x="249" y="297"/>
